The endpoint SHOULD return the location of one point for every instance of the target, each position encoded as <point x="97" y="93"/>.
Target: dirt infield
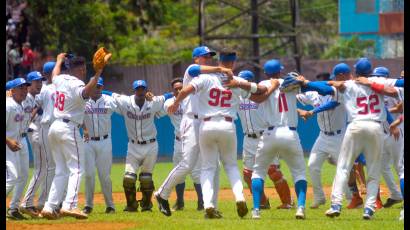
<point x="71" y="226"/>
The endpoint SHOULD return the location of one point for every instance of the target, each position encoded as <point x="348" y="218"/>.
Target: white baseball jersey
<point x="97" y="117"/>
<point x="214" y="99"/>
<point x="28" y="106"/>
<point x="190" y="103"/>
<point x="280" y="108"/>
<point x="14" y="119"/>
<point x="139" y="122"/>
<point x="251" y="116"/>
<point x="361" y="102"/>
<point x="69" y="103"/>
<point x="175" y="117"/>
<point x="46" y="100"/>
<point x="330" y="120"/>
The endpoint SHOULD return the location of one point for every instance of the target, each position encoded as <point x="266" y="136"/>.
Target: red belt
<point x="226" y="119"/>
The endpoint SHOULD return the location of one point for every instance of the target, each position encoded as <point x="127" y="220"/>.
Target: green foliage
<point x="349" y="48"/>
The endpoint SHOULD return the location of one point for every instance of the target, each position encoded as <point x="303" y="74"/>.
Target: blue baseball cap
<point x="100" y="81"/>
<point x="340" y="68"/>
<point x="246" y="74"/>
<point x="139" y="83"/>
<point x="381" y="71"/>
<point x="48" y="67"/>
<point x="363" y="66"/>
<point x="272" y="66"/>
<point x="33" y="76"/>
<point x="16" y="83"/>
<point x="201" y="51"/>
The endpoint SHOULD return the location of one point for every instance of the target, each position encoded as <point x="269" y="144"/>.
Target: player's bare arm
<point x="245" y="85"/>
<point x="216" y="69"/>
<point x="304" y="114"/>
<point x="394" y="127"/>
<point x="57" y="67"/>
<point x="262" y="97"/>
<point x="398" y="108"/>
<point x="85" y="133"/>
<point x="13" y="144"/>
<point x="339" y="85"/>
<point x="378" y="88"/>
<point x="181" y="96"/>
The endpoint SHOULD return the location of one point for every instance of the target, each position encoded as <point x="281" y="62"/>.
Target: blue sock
<point x="179" y="188"/>
<point x="198" y="191"/>
<point x="300" y="188"/>
<point x="402" y="187"/>
<point x="257" y="190"/>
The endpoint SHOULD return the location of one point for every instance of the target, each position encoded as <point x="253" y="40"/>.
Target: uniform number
<point x="283" y="104"/>
<point x="220" y="97"/>
<point x="59" y="103"/>
<point x="373" y="101"/>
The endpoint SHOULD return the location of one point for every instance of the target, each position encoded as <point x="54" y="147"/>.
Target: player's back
<point x="190" y="102"/>
<point x="46" y="100"/>
<point x="280" y="108"/>
<point x="214" y="99"/>
<point x="362" y="103"/>
<point x="69" y="103"/>
<point x="251" y="116"/>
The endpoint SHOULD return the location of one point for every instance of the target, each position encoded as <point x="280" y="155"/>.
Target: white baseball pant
<point x="178" y="156"/>
<point x="392" y="154"/>
<point x="22" y="165"/>
<point x="282" y="142"/>
<point x="217" y="140"/>
<point x="67" y="148"/>
<point x="98" y="154"/>
<point x="250" y="146"/>
<point x="365" y="137"/>
<point x="141" y="156"/>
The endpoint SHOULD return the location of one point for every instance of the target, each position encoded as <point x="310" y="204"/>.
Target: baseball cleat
<point x="334" y="210"/>
<point x="49" y="215"/>
<point x="368" y="214"/>
<point x="31" y="211"/>
<point x="212" y="213"/>
<point x="401" y="215"/>
<point x="284" y="206"/>
<point x="390" y="202"/>
<point x="265" y="205"/>
<point x="14" y="214"/>
<point x="241" y="208"/>
<point x="87" y="210"/>
<point x="300" y="213"/>
<point x="178" y="206"/>
<point x="75" y="212"/>
<point x="256" y="214"/>
<point x="316" y="204"/>
<point x="133" y="208"/>
<point x="356" y="202"/>
<point x="110" y="210"/>
<point x="163" y="205"/>
<point x="200" y="205"/>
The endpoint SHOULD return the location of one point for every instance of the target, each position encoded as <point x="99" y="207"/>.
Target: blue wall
<point x="352" y="22"/>
<point x="308" y="131"/>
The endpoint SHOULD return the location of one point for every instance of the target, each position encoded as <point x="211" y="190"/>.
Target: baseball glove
<point x="290" y="82"/>
<point x="100" y="58"/>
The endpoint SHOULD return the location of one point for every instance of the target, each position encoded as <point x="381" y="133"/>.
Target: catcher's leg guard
<point x="130" y="191"/>
<point x="281" y="185"/>
<point x="247" y="177"/>
<point x="146" y="188"/>
<point x="356" y="201"/>
<point x="360" y="176"/>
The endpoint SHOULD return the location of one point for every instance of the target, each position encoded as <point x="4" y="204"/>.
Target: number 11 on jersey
<point x="283" y="104"/>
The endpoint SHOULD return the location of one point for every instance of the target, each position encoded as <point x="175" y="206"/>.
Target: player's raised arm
<point x="266" y="92"/>
<point x="181" y="96"/>
<point x="378" y="88"/>
<point x="57" y="67"/>
<point x="100" y="59"/>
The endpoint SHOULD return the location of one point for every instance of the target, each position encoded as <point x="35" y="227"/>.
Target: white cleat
<point x="300" y="213"/>
<point x="401" y="215"/>
<point x="256" y="214"/>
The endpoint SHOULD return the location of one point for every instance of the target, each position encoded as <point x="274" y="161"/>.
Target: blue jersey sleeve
<point x="389" y="117"/>
<point x="168" y="95"/>
<point x="399" y="83"/>
<point x="326" y="106"/>
<point x="319" y="86"/>
<point x="106" y="92"/>
<point x="194" y="70"/>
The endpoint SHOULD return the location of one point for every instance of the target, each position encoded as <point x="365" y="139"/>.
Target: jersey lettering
<point x="361" y="103"/>
<point x="283" y="105"/>
<point x="59" y="102"/>
<point x="217" y="100"/>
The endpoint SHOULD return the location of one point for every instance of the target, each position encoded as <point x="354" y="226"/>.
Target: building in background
<point x="379" y="20"/>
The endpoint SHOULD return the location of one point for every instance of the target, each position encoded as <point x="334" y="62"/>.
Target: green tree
<point x="349" y="48"/>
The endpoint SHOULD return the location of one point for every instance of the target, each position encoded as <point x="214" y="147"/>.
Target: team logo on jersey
<point x="138" y="117"/>
<point x="248" y="106"/>
<point x="19" y="117"/>
<point x="89" y="110"/>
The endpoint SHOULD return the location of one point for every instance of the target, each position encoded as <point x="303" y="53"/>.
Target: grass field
<point x="192" y="219"/>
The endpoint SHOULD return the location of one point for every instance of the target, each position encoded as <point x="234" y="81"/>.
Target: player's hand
<point x="274" y="82"/>
<point x="336" y="84"/>
<point x="172" y="108"/>
<point x="302" y="79"/>
<point x="363" y="81"/>
<point x="228" y="72"/>
<point x="304" y="114"/>
<point x="149" y="96"/>
<point x="8" y="93"/>
<point x="13" y="144"/>
<point x="394" y="130"/>
<point x="61" y="57"/>
<point x="86" y="137"/>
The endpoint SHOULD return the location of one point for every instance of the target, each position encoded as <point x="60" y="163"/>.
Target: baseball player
<point x="65" y="141"/>
<point x="217" y="136"/>
<point x="189" y="129"/>
<point x="32" y="121"/>
<point x="253" y="125"/>
<point x="332" y="124"/>
<point x="363" y="134"/>
<point x="176" y="117"/>
<point x="16" y="151"/>
<point x="98" y="146"/>
<point x="142" y="150"/>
